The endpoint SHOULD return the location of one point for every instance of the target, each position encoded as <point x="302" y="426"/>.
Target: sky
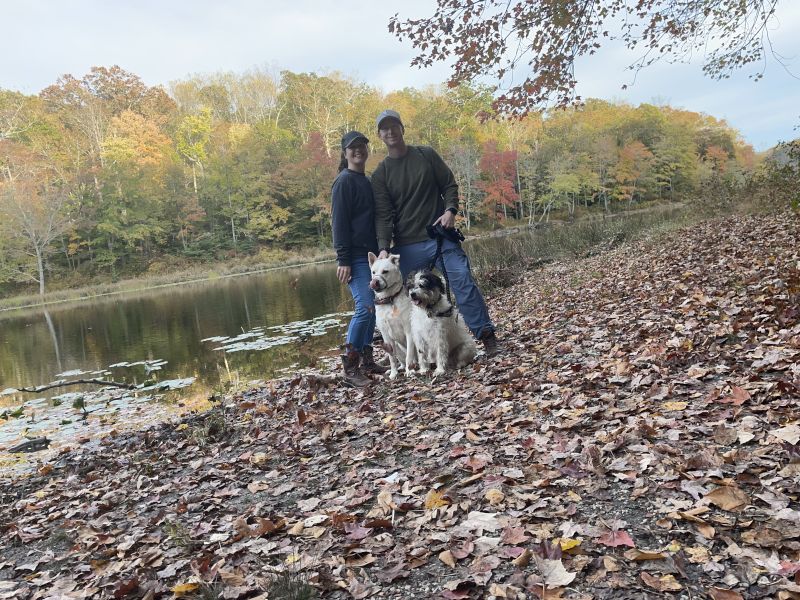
<point x="167" y="40"/>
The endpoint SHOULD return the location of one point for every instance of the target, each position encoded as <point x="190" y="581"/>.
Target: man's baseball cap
<point x="351" y="137"/>
<point x="388" y="114"/>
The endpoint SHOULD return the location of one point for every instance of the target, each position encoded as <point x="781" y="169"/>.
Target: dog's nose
<point x="373" y="284"/>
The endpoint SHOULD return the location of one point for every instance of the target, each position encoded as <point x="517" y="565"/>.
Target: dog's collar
<point x="390" y="299"/>
<point x="444" y="313"/>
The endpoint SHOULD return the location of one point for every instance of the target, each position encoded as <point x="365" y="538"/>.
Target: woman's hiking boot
<point x="368" y="364"/>
<point x="351" y="361"/>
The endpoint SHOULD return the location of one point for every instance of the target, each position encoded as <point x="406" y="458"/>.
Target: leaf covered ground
<point x="638" y="438"/>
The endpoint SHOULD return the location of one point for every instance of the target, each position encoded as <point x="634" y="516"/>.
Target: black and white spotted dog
<point x="438" y="330"/>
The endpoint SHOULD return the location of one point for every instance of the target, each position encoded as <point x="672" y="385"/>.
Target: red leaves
<point x="615" y="539"/>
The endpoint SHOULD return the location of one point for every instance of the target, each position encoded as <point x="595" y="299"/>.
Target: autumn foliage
<point x="230" y="165"/>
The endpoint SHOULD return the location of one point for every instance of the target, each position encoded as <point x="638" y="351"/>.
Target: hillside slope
<point x="639" y="438"/>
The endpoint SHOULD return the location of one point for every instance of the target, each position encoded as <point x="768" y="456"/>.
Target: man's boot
<point x="489" y="340"/>
<point x="368" y="364"/>
<point x="351" y="359"/>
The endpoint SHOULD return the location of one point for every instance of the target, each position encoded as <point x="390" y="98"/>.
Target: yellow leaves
<point x="574" y="496"/>
<point x="185" y="588"/>
<point x="494" y="496"/>
<point x="567" y="544"/>
<point x="182" y="427"/>
<point x="435" y="499"/>
<point x="675" y="405"/>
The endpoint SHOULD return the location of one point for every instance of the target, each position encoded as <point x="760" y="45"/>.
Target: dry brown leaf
<point x="665" y="583"/>
<point x="494" y="496"/>
<point x="727" y="498"/>
<point x="447" y="558"/>
<point x="723" y="594"/>
<point x="523" y="560"/>
<point x="706" y="530"/>
<point x="638" y="555"/>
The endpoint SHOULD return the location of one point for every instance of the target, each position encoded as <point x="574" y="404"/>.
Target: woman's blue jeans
<point x="362" y="325"/>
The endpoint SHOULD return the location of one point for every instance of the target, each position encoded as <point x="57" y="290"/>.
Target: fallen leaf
<point x="494" y="496"/>
<point x="184" y="588"/>
<point x="665" y="583"/>
<point x="790" y="433"/>
<point x="638" y="555"/>
<point x="676" y="405"/>
<point x="435" y="499"/>
<point x="447" y="558"/>
<point x="616" y="538"/>
<point x="727" y="498"/>
<point x="553" y="572"/>
<point x="716" y="593"/>
<point x="481" y="521"/>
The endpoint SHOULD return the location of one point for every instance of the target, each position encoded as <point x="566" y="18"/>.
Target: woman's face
<point x="356" y="155"/>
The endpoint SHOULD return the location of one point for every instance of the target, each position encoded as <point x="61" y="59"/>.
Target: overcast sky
<point x="166" y="40"/>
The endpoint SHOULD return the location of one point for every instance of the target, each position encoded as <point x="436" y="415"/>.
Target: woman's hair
<point x="342" y="163"/>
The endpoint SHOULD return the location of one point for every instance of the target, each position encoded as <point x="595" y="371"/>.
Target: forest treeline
<point x="105" y="176"/>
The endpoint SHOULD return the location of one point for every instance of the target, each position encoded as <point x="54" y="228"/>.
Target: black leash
<point x="438" y="256"/>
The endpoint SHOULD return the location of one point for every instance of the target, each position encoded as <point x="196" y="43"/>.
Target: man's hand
<point x="448" y="220"/>
<point x="343" y="274"/>
<point x="383" y="254"/>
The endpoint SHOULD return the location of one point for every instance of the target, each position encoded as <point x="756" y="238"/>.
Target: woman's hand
<point x="343" y="273"/>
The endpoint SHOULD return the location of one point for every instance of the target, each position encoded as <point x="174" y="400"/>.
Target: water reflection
<point x="170" y="325"/>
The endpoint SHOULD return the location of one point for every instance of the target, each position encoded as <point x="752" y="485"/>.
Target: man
<point x="414" y="188"/>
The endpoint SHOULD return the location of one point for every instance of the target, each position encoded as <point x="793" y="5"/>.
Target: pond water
<point x="249" y="327"/>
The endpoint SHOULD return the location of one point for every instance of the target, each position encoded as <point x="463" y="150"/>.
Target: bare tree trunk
<point x="40" y="268"/>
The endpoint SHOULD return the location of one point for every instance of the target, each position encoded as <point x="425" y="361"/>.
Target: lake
<point x="243" y="328"/>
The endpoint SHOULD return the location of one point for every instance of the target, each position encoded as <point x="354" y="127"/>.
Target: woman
<point x="353" y="238"/>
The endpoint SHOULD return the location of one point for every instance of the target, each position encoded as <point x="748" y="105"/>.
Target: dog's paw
<point x="439" y="372"/>
<point x="393" y="375"/>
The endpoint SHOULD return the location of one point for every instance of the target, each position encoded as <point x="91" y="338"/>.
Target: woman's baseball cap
<point x="352" y="137"/>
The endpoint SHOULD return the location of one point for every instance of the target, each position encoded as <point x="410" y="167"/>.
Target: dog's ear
<point x="436" y="282"/>
<point x="395" y="258"/>
<point x="372" y="258"/>
<point x="410" y="280"/>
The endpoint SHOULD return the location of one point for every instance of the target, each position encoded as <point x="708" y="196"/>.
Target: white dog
<point x="392" y="312"/>
<point x="438" y="329"/>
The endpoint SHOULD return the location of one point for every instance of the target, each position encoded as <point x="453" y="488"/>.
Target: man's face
<point x="391" y="132"/>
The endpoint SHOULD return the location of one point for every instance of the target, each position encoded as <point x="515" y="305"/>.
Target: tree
<point x="633" y="165"/>
<point x="192" y="137"/>
<point x="499" y="173"/>
<point x="32" y="212"/>
<point x="495" y="38"/>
